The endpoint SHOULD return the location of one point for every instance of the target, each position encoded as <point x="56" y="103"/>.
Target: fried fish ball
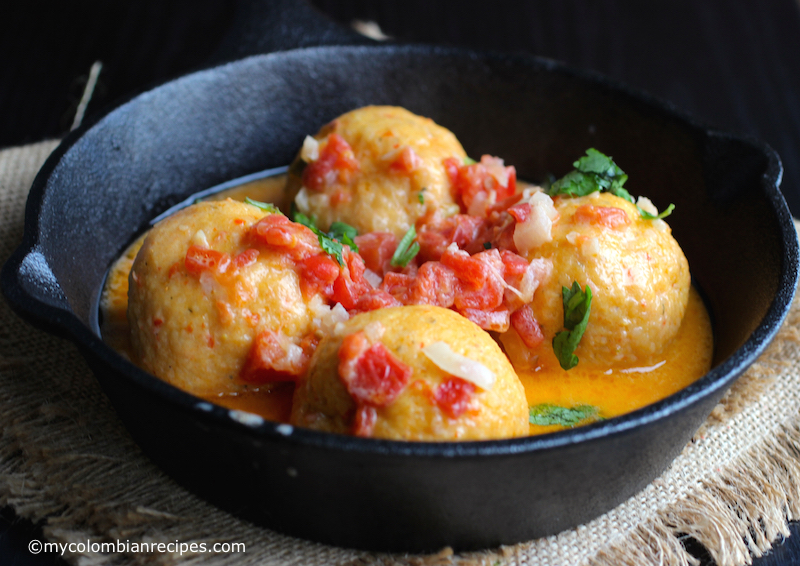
<point x="377" y="168"/>
<point x="202" y="293"/>
<point x="374" y="378"/>
<point x="637" y="272"/>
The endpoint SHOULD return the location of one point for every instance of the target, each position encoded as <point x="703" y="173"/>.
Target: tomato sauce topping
<point x="274" y="357"/>
<point x="608" y="216"/>
<point x="199" y="260"/>
<point x="478" y="186"/>
<point x="370" y="372"/>
<point x="454" y="396"/>
<point x="335" y="165"/>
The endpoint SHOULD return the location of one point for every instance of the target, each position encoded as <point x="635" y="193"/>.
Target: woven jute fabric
<point x="67" y="462"/>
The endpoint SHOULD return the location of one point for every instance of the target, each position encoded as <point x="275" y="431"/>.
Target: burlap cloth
<point x="67" y="462"/>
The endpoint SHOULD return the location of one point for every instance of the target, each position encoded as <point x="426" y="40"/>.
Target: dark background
<point x="732" y="64"/>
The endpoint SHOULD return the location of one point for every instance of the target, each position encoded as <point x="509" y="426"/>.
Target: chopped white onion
<point x="310" y="151"/>
<point x="199" y="239"/>
<point x="301" y="200"/>
<point x="372" y="278"/>
<point x="455" y="364"/>
<point x="374" y="331"/>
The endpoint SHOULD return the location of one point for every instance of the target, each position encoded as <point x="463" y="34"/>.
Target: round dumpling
<point x="212" y="308"/>
<point x="381" y="375"/>
<point x="377" y="168"/>
<point x="638" y="275"/>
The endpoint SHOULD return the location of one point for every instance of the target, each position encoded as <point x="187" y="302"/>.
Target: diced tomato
<point x="397" y="285"/>
<point x="351" y="283"/>
<point x="317" y="275"/>
<point x="246" y="258"/>
<point x="269" y="359"/>
<point x="335" y="165"/>
<point x="460" y="229"/>
<point x="199" y="260"/>
<point x="515" y="265"/>
<point x="468" y="270"/>
<point x="608" y="216"/>
<point x="454" y="396"/>
<point x="375" y="299"/>
<point x="485" y="292"/>
<point x="377" y="248"/>
<point x="407" y="161"/>
<point x="520" y="212"/>
<point x="473" y="184"/>
<point x="371" y="373"/>
<point x="364" y="421"/>
<point x="277" y="231"/>
<point x="527" y="327"/>
<point x="496" y="320"/>
<point x="435" y="284"/>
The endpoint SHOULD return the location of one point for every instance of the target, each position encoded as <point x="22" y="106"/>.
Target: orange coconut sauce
<point x="613" y="391"/>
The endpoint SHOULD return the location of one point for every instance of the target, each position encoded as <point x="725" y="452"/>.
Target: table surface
<point x="733" y="64"/>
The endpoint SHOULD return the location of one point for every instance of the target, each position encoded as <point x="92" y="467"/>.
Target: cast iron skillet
<point x="104" y="183"/>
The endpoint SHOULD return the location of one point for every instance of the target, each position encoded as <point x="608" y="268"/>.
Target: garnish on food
<point x="594" y="172"/>
<point x="577" y="304"/>
<point x="331" y="241"/>
<point x="266" y="206"/>
<point x="406" y="250"/>
<point x="547" y="414"/>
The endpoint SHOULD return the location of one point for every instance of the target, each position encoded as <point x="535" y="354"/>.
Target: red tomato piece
<point x="397" y="285"/>
<point x="269" y="359"/>
<point x="435" y="284"/>
<point x="474" y="183"/>
<point x="454" y="396"/>
<point x="364" y="421"/>
<point x="375" y="299"/>
<point x="377" y="248"/>
<point x="407" y="161"/>
<point x="524" y="322"/>
<point x="335" y="165"/>
<point x="199" y="259"/>
<point x="277" y="231"/>
<point x="317" y="275"/>
<point x="246" y="258"/>
<point x="608" y="216"/>
<point x="371" y="373"/>
<point x="520" y="212"/>
<point x="351" y="283"/>
<point x="496" y="320"/>
<point x="460" y="229"/>
<point x="486" y="292"/>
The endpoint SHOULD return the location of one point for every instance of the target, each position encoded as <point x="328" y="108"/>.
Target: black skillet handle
<point x="265" y="26"/>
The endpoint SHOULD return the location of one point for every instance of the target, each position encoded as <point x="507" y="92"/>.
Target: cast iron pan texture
<point x="103" y="185"/>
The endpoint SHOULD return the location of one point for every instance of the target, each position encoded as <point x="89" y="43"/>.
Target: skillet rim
<point x="63" y="322"/>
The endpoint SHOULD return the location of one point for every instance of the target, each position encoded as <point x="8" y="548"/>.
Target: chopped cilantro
<point x="331" y="241"/>
<point x="487" y="245"/>
<point x="469" y="161"/>
<point x="547" y="414"/>
<point x="577" y="305"/>
<point x="266" y="206"/>
<point x="598" y="172"/>
<point x="406" y="250"/>
<point x="421" y="195"/>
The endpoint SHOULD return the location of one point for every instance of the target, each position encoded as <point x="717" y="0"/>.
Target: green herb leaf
<point x="487" y="245"/>
<point x="344" y="233"/>
<point x="300" y="218"/>
<point x="577" y="305"/>
<point x="593" y="172"/>
<point x="547" y="414"/>
<point x="469" y="161"/>
<point x="421" y="195"/>
<point x="406" y="250"/>
<point x="267" y="206"/>
<point x="647" y="216"/>
<point x="331" y="241"/>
